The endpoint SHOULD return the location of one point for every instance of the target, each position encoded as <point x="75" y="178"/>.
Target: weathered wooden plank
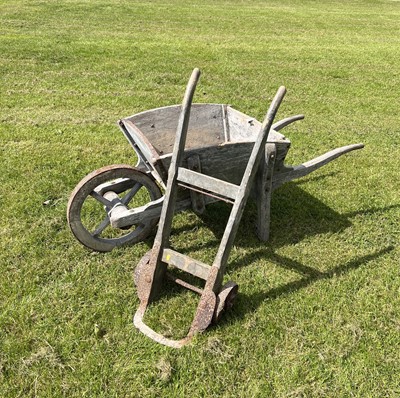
<point x="228" y="161"/>
<point x="139" y="214"/>
<point x="185" y="263"/>
<point x="263" y="188"/>
<point x="206" y="183"/>
<point x="140" y="139"/>
<point x="246" y="128"/>
<point x="151" y="210"/>
<point x="206" y="126"/>
<point x="168" y="208"/>
<point x="285" y="122"/>
<point x="198" y="203"/>
<point x="291" y="173"/>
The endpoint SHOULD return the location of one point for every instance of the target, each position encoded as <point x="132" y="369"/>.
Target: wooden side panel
<point x="242" y="127"/>
<point x="245" y="128"/>
<point x="140" y="141"/>
<point x="226" y="162"/>
<point x="206" y="126"/>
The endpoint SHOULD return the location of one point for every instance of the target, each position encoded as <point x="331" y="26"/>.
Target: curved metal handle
<point x="159" y="338"/>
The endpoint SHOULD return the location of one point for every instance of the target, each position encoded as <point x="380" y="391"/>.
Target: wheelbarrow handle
<point x="293" y="172"/>
<point x="285" y="122"/>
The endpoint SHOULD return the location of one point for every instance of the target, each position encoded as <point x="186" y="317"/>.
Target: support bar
<point x="207" y="184"/>
<point x="186" y="263"/>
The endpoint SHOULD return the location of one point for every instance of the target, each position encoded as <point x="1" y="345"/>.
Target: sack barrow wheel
<point x="225" y="299"/>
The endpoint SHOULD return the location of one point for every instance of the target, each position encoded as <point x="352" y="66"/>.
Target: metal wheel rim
<point x="83" y="190"/>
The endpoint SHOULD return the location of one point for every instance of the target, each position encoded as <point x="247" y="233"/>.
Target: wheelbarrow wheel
<point x="87" y="210"/>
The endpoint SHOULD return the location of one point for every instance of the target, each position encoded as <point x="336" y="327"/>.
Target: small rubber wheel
<point x="225" y="299"/>
<point x="87" y="210"/>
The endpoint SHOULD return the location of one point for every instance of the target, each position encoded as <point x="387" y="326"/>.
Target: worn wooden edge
<point x="141" y="140"/>
<point x="285" y="122"/>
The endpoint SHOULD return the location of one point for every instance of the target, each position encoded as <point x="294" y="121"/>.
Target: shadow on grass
<point x="295" y="215"/>
<point x="311" y="276"/>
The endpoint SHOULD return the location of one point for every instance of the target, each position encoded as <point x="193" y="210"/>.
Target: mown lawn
<point x="318" y="314"/>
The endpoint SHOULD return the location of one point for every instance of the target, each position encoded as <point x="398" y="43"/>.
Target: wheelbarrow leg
<point x="264" y="192"/>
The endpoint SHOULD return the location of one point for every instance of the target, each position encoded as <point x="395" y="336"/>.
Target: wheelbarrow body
<point x="219" y="142"/>
<point x="219" y="135"/>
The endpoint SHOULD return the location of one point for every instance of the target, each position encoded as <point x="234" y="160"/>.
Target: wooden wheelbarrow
<point x="120" y="204"/>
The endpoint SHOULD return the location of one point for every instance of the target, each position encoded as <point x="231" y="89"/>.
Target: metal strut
<point x="151" y="270"/>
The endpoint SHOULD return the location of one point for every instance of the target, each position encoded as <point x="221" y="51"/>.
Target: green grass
<point x="318" y="313"/>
